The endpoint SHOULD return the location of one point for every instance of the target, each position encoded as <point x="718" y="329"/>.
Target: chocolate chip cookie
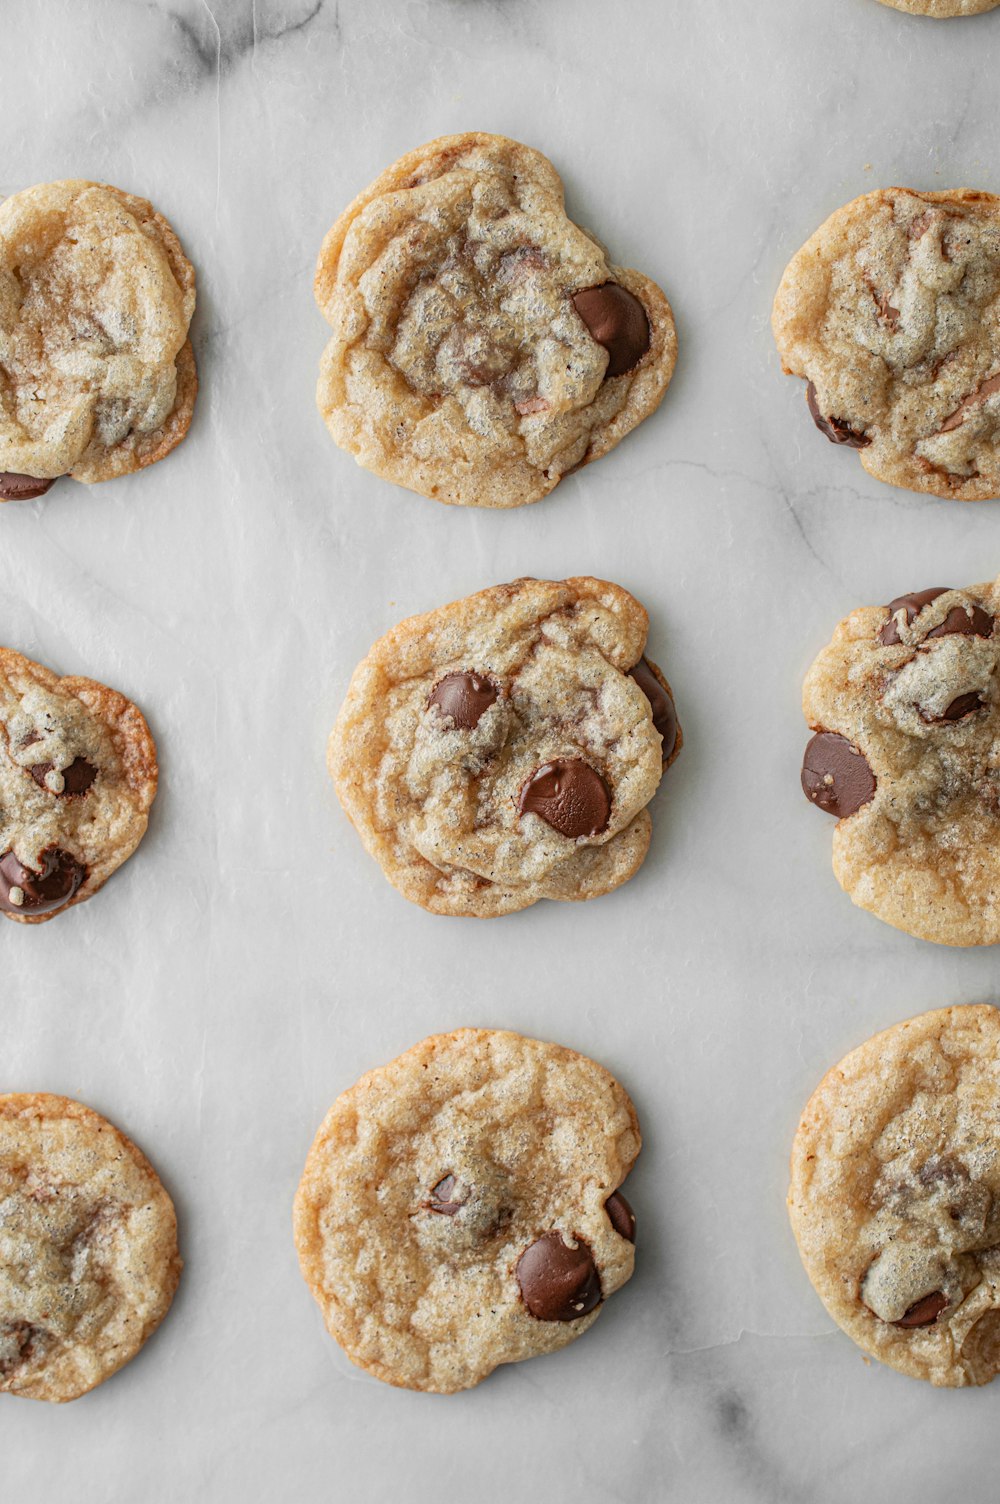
<point x="943" y="8"/>
<point x="97" y="374"/>
<point x="88" y="1248"/>
<point x="905" y="707"/>
<point x="891" y="314"/>
<point x="483" y="345"/>
<point x="895" y="1195"/>
<point x="460" y="1207"/>
<point x="504" y="748"/>
<point x="77" y="777"/>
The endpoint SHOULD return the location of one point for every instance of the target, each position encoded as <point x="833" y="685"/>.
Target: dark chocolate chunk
<point x="835" y="775"/>
<point x="664" y="714"/>
<point x="621" y="1216"/>
<point x="568" y="795"/>
<point x="617" y="320"/>
<point x="40" y="892"/>
<point x="558" y="1283"/>
<point x="836" y="430"/>
<point x="464" y="697"/>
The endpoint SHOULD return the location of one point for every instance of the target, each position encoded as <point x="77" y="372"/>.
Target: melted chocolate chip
<point x="617" y="320"/>
<point x="924" y="1312"/>
<point x="621" y="1216"/>
<point x="662" y="706"/>
<point x="14" y="487"/>
<point x="40" y="892"/>
<point x="558" y="1283"/>
<point x="959" y="622"/>
<point x="568" y="795"/>
<point x="464" y="697"/>
<point x="441" y="1197"/>
<point x="836" y="430"/>
<point x="963" y="706"/>
<point x="77" y="778"/>
<point x="835" y="775"/>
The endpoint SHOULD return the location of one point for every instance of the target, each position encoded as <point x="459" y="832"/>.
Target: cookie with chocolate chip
<point x="88" y="1248"/>
<point x="895" y="1195"/>
<point x="891" y="314"/>
<point x="77" y="777"/>
<point x="905" y="708"/>
<point x="504" y="748"/>
<point x="483" y="345"/>
<point x="97" y="373"/>
<point x="461" y="1207"/>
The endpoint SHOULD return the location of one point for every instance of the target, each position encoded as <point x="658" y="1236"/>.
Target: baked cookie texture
<point x="943" y="8"/>
<point x="895" y="1195"/>
<point x="891" y="313"/>
<point x="504" y="748"/>
<point x="483" y="345"/>
<point x="88" y="1248"/>
<point x="905" y="704"/>
<point x="97" y="374"/>
<point x="78" y="774"/>
<point x="460" y="1207"/>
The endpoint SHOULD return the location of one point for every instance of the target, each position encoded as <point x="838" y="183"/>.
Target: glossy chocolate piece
<point x="77" y="778"/>
<point x="41" y="892"/>
<point x="568" y="795"/>
<point x="835" y="775"/>
<point x="621" y="1216"/>
<point x="617" y="320"/>
<point x="662" y="706"/>
<point x="14" y="487"/>
<point x="558" y="1283"/>
<point x="463" y="697"/>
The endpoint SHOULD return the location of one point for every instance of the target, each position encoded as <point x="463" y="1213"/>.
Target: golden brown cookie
<point x="504" y="748"/>
<point x="891" y="313"/>
<point x="460" y="1207"/>
<point x="97" y="374"/>
<point x="895" y="1195"/>
<point x="78" y="774"/>
<point x="905" y="707"/>
<point x="88" y="1248"/>
<point x="942" y="9"/>
<point x="483" y="345"/>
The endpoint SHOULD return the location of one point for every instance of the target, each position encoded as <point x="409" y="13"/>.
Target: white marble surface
<point x="251" y="962"/>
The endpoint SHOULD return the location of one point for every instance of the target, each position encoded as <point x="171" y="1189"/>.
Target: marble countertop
<point x="251" y="961"/>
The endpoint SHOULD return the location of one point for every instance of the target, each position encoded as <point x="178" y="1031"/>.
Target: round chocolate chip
<point x="621" y="1216"/>
<point x="14" y="487"/>
<point x="443" y="1198"/>
<point x="924" y="1312"/>
<point x="464" y="697"/>
<point x="959" y="622"/>
<point x="77" y="778"/>
<point x="662" y="706"/>
<point x="23" y="891"/>
<point x="836" y="430"/>
<point x="558" y="1283"/>
<point x="569" y="796"/>
<point x="835" y="775"/>
<point x="617" y="320"/>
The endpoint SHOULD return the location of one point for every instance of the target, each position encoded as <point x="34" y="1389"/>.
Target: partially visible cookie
<point x="504" y="748"/>
<point x="905" y="707"/>
<point x="97" y="374"/>
<point x="895" y="1195"/>
<point x="943" y="8"/>
<point x="88" y="1248"/>
<point x="460" y="1207"/>
<point x="78" y="774"/>
<point x="483" y="345"/>
<point x="891" y="313"/>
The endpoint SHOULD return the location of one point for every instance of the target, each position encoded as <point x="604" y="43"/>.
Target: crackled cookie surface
<point x="88" y="1248"/>
<point x="904" y="704"/>
<point x="483" y="345"/>
<point x="460" y="1207"/>
<point x="503" y="749"/>
<point x="891" y="313"/>
<point x="895" y="1195"/>
<point x="97" y="374"/>
<point x="77" y="777"/>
